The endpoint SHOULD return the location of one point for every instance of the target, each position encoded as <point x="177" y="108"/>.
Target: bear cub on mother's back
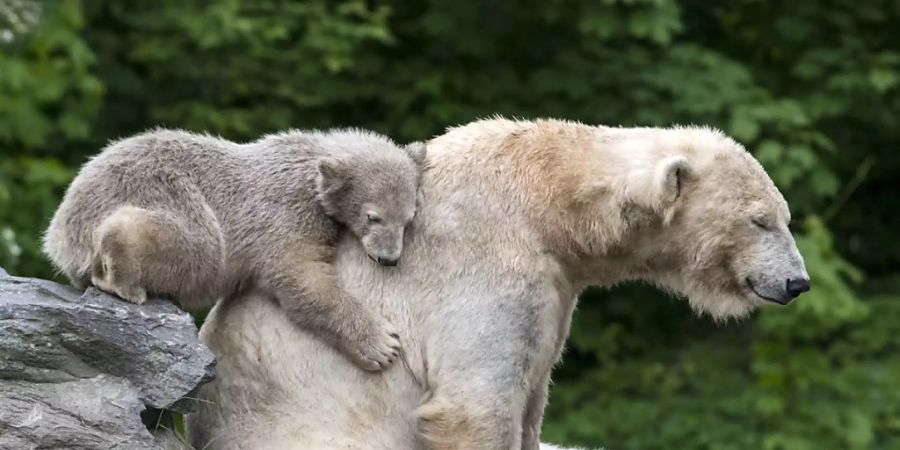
<point x="197" y="218"/>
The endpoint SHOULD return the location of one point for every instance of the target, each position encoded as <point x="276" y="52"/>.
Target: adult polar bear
<point x="516" y="219"/>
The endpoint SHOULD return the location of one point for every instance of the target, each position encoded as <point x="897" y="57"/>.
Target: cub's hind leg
<point x="141" y="250"/>
<point x="119" y="240"/>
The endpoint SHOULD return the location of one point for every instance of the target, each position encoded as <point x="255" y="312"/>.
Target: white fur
<point x="516" y="219"/>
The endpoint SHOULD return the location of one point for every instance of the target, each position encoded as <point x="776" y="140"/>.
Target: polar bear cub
<point x="197" y="218"/>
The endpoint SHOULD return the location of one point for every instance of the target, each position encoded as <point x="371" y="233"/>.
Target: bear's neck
<point x="560" y="178"/>
<point x="569" y="177"/>
<point x="642" y="255"/>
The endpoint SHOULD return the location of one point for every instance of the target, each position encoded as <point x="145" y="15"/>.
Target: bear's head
<point x="720" y="235"/>
<point x="373" y="194"/>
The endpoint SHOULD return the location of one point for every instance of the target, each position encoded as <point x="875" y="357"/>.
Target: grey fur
<point x="197" y="218"/>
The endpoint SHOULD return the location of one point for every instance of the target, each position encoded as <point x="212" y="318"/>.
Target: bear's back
<point x="163" y="150"/>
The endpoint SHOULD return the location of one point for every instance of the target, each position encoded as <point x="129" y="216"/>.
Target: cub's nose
<point x="797" y="286"/>
<point x="387" y="261"/>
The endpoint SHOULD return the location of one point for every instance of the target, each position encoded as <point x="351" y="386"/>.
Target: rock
<point x="77" y="369"/>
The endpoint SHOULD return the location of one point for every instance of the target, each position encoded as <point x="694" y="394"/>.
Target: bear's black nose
<point x="388" y="261"/>
<point x="797" y="286"/>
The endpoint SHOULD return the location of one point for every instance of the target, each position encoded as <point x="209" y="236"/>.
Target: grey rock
<point x="100" y="412"/>
<point x="77" y="369"/>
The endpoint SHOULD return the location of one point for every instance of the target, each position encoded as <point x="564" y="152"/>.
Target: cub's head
<point x="722" y="227"/>
<point x="373" y="193"/>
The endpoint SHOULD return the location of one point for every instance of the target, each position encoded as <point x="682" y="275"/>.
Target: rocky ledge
<point x="77" y="370"/>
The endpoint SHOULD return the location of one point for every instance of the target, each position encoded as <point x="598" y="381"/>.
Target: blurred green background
<point x="811" y="88"/>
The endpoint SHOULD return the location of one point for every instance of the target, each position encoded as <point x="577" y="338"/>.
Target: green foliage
<point x="233" y="67"/>
<point x="48" y="100"/>
<point x="47" y="90"/>
<point x="812" y="88"/>
<point x="30" y="189"/>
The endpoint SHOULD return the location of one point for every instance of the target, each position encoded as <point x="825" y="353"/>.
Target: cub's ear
<point x="332" y="179"/>
<point x="416" y="151"/>
<point x="331" y="174"/>
<point x="670" y="176"/>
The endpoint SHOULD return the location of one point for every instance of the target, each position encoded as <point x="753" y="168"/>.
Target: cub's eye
<point x="373" y="218"/>
<point x="760" y="222"/>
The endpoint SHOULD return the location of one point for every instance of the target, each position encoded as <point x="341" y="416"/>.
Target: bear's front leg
<point x="534" y="414"/>
<point x="306" y="287"/>
<point x="489" y="354"/>
<point x="465" y="419"/>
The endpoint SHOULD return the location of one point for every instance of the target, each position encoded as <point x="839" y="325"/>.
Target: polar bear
<point x="196" y="217"/>
<point x="516" y="219"/>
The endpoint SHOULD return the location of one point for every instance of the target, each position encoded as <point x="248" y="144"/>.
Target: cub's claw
<point x="377" y="348"/>
<point x="136" y="295"/>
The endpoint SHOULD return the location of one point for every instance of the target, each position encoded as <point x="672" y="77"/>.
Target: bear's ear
<point x="333" y="178"/>
<point x="416" y="152"/>
<point x="331" y="174"/>
<point x="670" y="176"/>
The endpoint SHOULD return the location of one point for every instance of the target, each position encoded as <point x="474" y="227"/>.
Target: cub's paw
<point x="374" y="346"/>
<point x="136" y="295"/>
